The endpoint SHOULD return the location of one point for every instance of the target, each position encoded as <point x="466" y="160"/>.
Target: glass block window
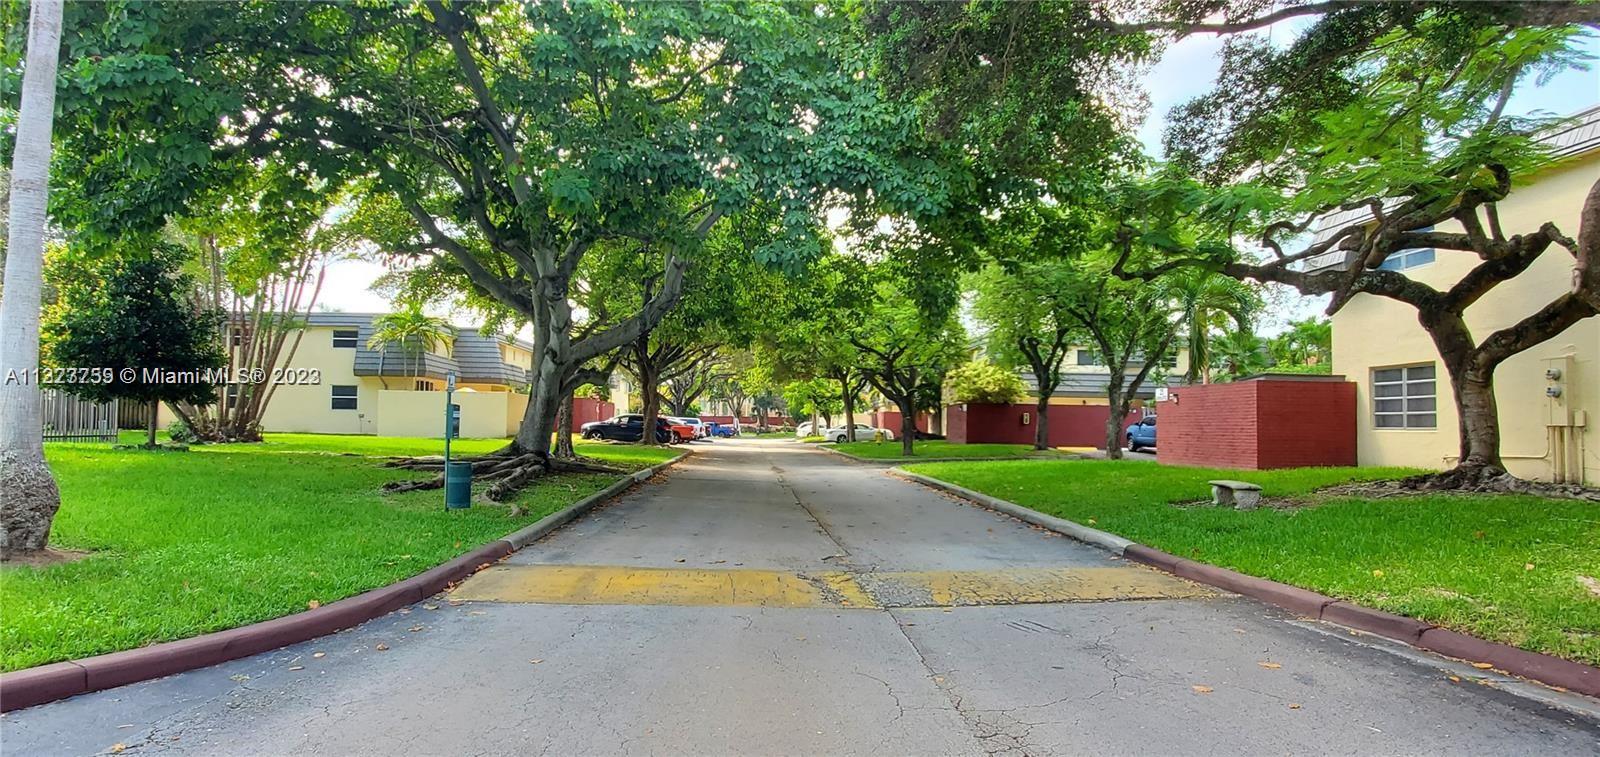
<point x="1405" y="397"/>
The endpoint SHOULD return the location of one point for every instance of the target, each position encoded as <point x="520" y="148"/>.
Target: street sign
<point x="1162" y="393"/>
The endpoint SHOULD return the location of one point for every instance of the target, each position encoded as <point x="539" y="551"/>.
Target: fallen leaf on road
<point x="430" y="607"/>
<point x="297" y="667"/>
<point x="1238" y="630"/>
<point x="313" y="604"/>
<point x="679" y="560"/>
<point x="1456" y="679"/>
<point x="1269" y="665"/>
<point x="477" y="612"/>
<point x="239" y="677"/>
<point x="1198" y="689"/>
<point x="415" y="629"/>
<point x="381" y="647"/>
<point x="319" y="654"/>
<point x="1294" y="705"/>
<point x="536" y="662"/>
<point x="117" y="748"/>
<point x="1483" y="665"/>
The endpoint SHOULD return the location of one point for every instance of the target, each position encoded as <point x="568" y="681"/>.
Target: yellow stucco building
<point x="356" y="389"/>
<point x="1407" y="416"/>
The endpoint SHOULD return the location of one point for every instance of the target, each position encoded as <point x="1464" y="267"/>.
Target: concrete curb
<point x="1546" y="669"/>
<point x="902" y="461"/>
<point x="1115" y="544"/>
<point x="59" y="680"/>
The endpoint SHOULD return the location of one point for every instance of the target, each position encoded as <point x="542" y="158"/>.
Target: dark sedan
<point x="625" y="428"/>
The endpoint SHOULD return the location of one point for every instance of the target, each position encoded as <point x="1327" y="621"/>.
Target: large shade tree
<point x="512" y="138"/>
<point x="1384" y="124"/>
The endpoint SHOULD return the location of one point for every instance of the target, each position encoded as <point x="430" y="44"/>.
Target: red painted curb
<point x="1552" y="671"/>
<point x="1152" y="557"/>
<point x="47" y="683"/>
<point x="1307" y="603"/>
<point x="1400" y="627"/>
<point x="1573" y="676"/>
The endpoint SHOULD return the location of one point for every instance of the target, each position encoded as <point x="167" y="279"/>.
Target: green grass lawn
<point x="1458" y="561"/>
<point x="937" y="448"/>
<point x="188" y="542"/>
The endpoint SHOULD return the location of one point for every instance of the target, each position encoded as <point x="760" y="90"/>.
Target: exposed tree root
<point x="1478" y="479"/>
<point x="506" y="474"/>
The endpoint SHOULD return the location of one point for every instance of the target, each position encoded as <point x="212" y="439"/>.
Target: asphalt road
<point x="765" y="598"/>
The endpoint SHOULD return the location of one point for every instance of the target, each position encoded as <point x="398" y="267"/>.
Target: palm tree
<point x="1240" y="353"/>
<point x="1307" y="342"/>
<point x="28" y="495"/>
<point x="1207" y="304"/>
<point x="413" y="331"/>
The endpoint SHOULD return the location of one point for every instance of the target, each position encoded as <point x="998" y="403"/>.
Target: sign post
<point x="457" y="476"/>
<point x="449" y="419"/>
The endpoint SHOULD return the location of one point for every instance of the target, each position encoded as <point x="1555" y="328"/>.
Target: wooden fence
<point x="68" y="418"/>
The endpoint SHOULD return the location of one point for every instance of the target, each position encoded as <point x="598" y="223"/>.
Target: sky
<point x="1186" y="70"/>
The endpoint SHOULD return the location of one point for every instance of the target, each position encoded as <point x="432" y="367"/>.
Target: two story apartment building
<point x="396" y="392"/>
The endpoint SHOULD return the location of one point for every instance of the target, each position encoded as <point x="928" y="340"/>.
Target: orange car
<point x="681" y="432"/>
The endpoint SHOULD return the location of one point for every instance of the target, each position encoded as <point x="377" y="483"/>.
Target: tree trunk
<point x="564" y="429"/>
<point x="1118" y="405"/>
<point x="908" y="424"/>
<point x="538" y="421"/>
<point x="650" y="399"/>
<point x="1479" y="423"/>
<point x="1473" y="386"/>
<point x="1041" y="419"/>
<point x="849" y="409"/>
<point x="28" y="495"/>
<point x="150" y="428"/>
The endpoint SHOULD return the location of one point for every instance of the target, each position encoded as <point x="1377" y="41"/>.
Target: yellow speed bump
<point x="620" y="585"/>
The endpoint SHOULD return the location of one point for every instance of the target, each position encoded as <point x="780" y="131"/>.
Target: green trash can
<point x="458" y="485"/>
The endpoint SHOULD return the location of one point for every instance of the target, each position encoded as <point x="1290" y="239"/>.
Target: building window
<point x="1089" y="357"/>
<point x="237" y="335"/>
<point x="423" y="385"/>
<point x="344" y="397"/>
<point x="232" y="396"/>
<point x="1400" y="260"/>
<point x="346" y="339"/>
<point x="1405" y="397"/>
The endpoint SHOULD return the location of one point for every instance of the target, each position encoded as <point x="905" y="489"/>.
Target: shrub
<point x="981" y="381"/>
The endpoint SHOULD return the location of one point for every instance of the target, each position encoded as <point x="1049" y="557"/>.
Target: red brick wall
<point x="588" y="409"/>
<point x="890" y="419"/>
<point x="1070" y="425"/>
<point x="1261" y="423"/>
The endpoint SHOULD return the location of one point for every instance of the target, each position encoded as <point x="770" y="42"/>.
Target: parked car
<point x="724" y="430"/>
<point x="864" y="433"/>
<point x="1142" y="434"/>
<point x="678" y="430"/>
<point x="624" y="428"/>
<point x="803" y="430"/>
<point x="702" y="429"/>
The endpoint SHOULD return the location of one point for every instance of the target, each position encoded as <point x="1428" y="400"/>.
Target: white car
<point x="864" y="433"/>
<point x="803" y="430"/>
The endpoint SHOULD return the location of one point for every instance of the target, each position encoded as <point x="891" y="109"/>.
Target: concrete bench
<point x="1243" y="495"/>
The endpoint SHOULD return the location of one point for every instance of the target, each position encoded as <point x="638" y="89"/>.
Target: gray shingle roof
<point x="1093" y="385"/>
<point x="474" y="356"/>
